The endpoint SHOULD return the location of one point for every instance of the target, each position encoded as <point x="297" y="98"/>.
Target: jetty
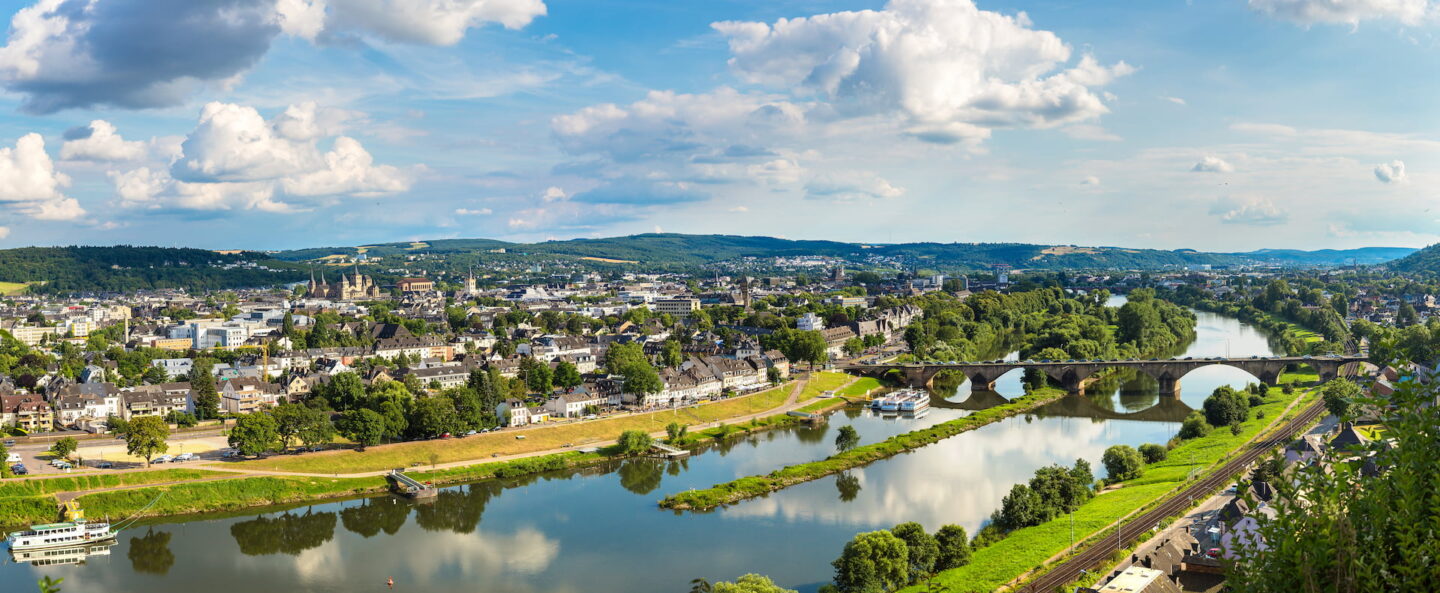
<point x="410" y="487"/>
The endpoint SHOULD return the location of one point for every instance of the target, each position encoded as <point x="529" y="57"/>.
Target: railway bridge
<point x="1073" y="374"/>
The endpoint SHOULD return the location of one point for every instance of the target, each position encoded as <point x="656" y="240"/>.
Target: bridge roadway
<point x="1073" y="374"/>
<point x="1165" y="409"/>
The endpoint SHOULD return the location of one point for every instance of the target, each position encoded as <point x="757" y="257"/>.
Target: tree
<point x="4" y="453"/>
<point x="921" y="549"/>
<point x="1225" y="406"/>
<point x="254" y="434"/>
<point x="146" y="437"/>
<point x="954" y="548"/>
<point x="181" y="419"/>
<point x="289" y="419"/>
<point x="202" y="383"/>
<point x="364" y="427"/>
<point x="1022" y="507"/>
<point x="1153" y="453"/>
<point x="1339" y="396"/>
<point x="1122" y="462"/>
<point x="676" y="431"/>
<point x="567" y="376"/>
<point x="117" y="425"/>
<point x="344" y="391"/>
<point x="317" y="429"/>
<point x="1194" y="426"/>
<point x="847" y="438"/>
<point x="537" y="375"/>
<point x="872" y="562"/>
<point x="633" y="442"/>
<point x="64" y="447"/>
<point x="670" y="354"/>
<point x="750" y="583"/>
<point x="433" y="416"/>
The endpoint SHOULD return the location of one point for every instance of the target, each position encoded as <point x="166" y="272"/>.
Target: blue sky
<point x="267" y="124"/>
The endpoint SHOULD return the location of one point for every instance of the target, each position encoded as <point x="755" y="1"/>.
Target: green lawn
<point x="12" y="288"/>
<point x="860" y="388"/>
<point x="542" y="438"/>
<point x="1028" y="548"/>
<point x="43" y="486"/>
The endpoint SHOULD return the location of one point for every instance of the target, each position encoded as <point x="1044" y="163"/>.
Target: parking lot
<point x="92" y="453"/>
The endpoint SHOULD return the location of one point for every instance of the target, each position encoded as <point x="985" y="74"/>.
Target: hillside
<point x="670" y="249"/>
<point x="1422" y="261"/>
<point x="125" y="267"/>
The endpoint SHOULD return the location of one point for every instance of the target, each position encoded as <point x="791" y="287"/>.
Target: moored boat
<point x="74" y="531"/>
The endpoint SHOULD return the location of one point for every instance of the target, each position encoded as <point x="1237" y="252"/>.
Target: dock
<point x="410" y="487"/>
<point x="670" y="452"/>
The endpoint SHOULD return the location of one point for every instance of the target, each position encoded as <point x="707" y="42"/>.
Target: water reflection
<point x="288" y="533"/>
<point x="375" y="515"/>
<point x="849" y="486"/>
<point x="457" y="509"/>
<point x="150" y="553"/>
<point x="642" y="475"/>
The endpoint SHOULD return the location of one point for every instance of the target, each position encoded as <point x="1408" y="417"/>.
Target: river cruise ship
<point x="59" y="535"/>
<point x="61" y="556"/>
<point x="903" y="400"/>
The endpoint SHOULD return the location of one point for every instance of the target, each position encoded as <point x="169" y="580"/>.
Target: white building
<point x="810" y="322"/>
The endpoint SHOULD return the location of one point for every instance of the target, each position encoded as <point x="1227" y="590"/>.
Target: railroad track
<point x="1091" y="557"/>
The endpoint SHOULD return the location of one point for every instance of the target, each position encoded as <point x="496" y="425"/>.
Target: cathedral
<point x="349" y="288"/>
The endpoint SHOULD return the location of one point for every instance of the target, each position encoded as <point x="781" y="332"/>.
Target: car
<point x="104" y="465"/>
<point x="9" y="442"/>
<point x="229" y="453"/>
<point x="445" y="435"/>
<point x="19" y="470"/>
<point x="63" y="465"/>
<point x="185" y="457"/>
<point x="471" y="433"/>
<point x="519" y="437"/>
<point x="162" y="459"/>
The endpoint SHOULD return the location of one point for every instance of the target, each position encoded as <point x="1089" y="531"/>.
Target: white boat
<point x="915" y="402"/>
<point x="904" y="400"/>
<point x="74" y="531"/>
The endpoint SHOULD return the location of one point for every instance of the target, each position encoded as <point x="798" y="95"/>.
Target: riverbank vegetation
<point x="752" y="486"/>
<point x="1000" y="557"/>
<point x="1303" y="319"/>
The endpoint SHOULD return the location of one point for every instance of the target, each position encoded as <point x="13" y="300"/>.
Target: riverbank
<point x="1031" y="549"/>
<point x="122" y="495"/>
<point x="752" y="486"/>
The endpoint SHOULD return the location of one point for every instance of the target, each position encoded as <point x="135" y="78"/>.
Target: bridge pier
<point x="1169" y="386"/>
<point x="981" y="385"/>
<point x="1074" y="385"/>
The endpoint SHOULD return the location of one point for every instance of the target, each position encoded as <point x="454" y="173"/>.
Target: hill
<point x="1424" y="260"/>
<point x="126" y="268"/>
<point x="1330" y="257"/>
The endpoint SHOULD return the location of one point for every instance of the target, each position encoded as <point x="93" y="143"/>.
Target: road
<point x="1091" y="558"/>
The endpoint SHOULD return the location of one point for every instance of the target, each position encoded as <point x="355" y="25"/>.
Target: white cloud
<point x="473" y="212"/>
<point x="1253" y="211"/>
<point x="1392" y="172"/>
<point x="432" y="22"/>
<point x="1351" y="12"/>
<point x="99" y="142"/>
<point x="4" y="232"/>
<point x="739" y="209"/>
<point x="133" y="54"/>
<point x="1213" y="164"/>
<point x="666" y="122"/>
<point x="236" y="159"/>
<point x="30" y="185"/>
<point x="553" y="194"/>
<point x="851" y="185"/>
<point x="936" y="62"/>
<point x="1090" y="181"/>
<point x="1175" y="100"/>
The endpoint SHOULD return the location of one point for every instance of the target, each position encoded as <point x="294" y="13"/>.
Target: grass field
<point x="44" y="486"/>
<point x="11" y="288"/>
<point x="860" y="388"/>
<point x="539" y="439"/>
<point x="1026" y="549"/>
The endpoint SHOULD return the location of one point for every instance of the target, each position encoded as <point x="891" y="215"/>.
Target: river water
<point x="598" y="530"/>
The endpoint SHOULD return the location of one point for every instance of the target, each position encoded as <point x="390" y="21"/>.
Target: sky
<point x="1220" y="125"/>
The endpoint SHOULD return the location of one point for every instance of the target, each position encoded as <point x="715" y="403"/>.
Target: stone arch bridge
<point x="1074" y="374"/>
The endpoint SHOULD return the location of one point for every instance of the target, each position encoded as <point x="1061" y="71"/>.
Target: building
<point x="677" y="308"/>
<point x="349" y="288"/>
<point x="26" y="412"/>
<point x="810" y="322"/>
<point x="1138" y="579"/>
<point x="415" y="285"/>
<point x="246" y="395"/>
<point x="573" y="404"/>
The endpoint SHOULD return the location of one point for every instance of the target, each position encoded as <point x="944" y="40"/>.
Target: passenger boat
<point x="74" y="531"/>
<point x="904" y="400"/>
<point x="915" y="402"/>
<point x="61" y="556"/>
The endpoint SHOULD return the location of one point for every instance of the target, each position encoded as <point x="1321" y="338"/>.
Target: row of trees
<point x="1053" y="491"/>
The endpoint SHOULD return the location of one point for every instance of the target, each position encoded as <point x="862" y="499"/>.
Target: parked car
<point x="63" y="465"/>
<point x="163" y="459"/>
<point x="185" y="457"/>
<point x="104" y="465"/>
<point x="472" y="432"/>
<point x="19" y="470"/>
<point x="9" y="442"/>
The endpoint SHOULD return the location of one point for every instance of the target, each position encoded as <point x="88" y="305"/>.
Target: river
<point x="598" y="530"/>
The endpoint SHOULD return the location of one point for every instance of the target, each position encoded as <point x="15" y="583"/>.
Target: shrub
<point x="1236" y="430"/>
<point x="1194" y="426"/>
<point x="1122" y="462"/>
<point x="1226" y="406"/>
<point x="1153" y="453"/>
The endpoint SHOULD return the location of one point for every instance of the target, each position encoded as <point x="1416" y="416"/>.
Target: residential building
<point x="680" y="308"/>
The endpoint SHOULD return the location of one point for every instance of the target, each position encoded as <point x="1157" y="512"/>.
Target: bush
<point x="633" y="442"/>
<point x="1256" y="401"/>
<point x="1122" y="462"/>
<point x="1194" y="427"/>
<point x="1260" y="414"/>
<point x="1153" y="453"/>
<point x="1226" y="406"/>
<point x="1236" y="430"/>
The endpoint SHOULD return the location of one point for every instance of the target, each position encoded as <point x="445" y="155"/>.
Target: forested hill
<point x="670" y="249"/>
<point x="1424" y="260"/>
<point x="125" y="268"/>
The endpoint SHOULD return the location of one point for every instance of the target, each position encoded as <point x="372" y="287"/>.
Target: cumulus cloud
<point x="4" y="232"/>
<point x="1252" y="211"/>
<point x="99" y="142"/>
<point x="1176" y="100"/>
<point x="938" y="63"/>
<point x="29" y="184"/>
<point x="135" y="54"/>
<point x="553" y="194"/>
<point x="850" y="185"/>
<point x="1351" y="12"/>
<point x="473" y="212"/>
<point x="1212" y="164"/>
<point x="666" y="122"/>
<point x="235" y="158"/>
<point x="430" y="22"/>
<point x="1090" y="181"/>
<point x="1392" y="172"/>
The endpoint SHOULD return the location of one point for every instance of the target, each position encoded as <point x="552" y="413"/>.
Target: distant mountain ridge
<point x="1426" y="260"/>
<point x="680" y="249"/>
